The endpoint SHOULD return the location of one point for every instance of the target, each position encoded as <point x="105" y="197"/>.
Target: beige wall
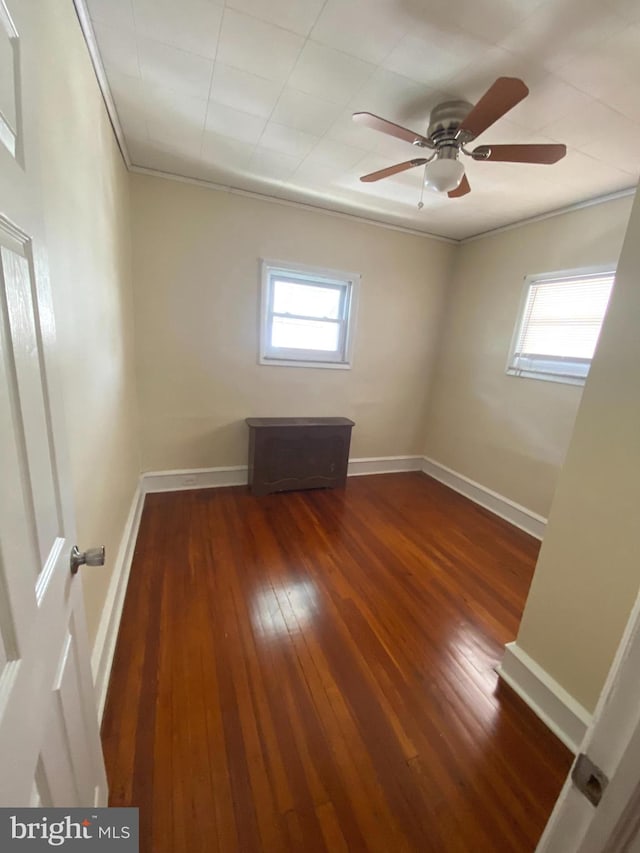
<point x="196" y="255"/>
<point x="86" y="206"/>
<point x="588" y="573"/>
<point x="508" y="433"/>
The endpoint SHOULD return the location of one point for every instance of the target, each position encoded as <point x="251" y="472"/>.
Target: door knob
<point x="90" y="557"/>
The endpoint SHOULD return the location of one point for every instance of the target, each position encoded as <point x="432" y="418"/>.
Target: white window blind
<point x="560" y="325"/>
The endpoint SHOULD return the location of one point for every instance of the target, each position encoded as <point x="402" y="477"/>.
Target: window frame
<point x="348" y="284"/>
<point x="538" y="278"/>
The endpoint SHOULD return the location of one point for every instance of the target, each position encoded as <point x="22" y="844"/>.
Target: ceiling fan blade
<point x="501" y="97"/>
<point x="520" y="153"/>
<point x="462" y="189"/>
<point x="392" y="129"/>
<point x="393" y="170"/>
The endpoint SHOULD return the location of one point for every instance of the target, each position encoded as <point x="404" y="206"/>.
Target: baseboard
<point x="560" y="712"/>
<point x="237" y="475"/>
<point x="512" y="512"/>
<point x="105" y="644"/>
<point x="383" y="465"/>
<point x="194" y="478"/>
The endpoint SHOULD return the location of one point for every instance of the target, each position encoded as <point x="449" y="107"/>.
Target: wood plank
<point x="314" y="671"/>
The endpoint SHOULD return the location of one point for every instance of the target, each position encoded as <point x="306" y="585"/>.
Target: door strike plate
<point x="589" y="779"/>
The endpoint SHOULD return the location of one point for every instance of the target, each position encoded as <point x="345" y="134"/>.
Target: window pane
<point x="304" y="334"/>
<point x="306" y="300"/>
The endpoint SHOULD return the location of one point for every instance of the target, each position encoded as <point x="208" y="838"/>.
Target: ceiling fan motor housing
<point x="445" y="173"/>
<point x="445" y="119"/>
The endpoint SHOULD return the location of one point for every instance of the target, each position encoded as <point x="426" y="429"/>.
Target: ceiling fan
<point x="452" y="125"/>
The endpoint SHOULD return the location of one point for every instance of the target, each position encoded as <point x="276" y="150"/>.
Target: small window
<point x="307" y="316"/>
<point x="559" y="325"/>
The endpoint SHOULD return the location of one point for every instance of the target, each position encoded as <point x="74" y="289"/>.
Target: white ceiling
<point x="258" y="95"/>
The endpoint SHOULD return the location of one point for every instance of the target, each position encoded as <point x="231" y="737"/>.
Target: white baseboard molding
<point x="512" y="512"/>
<point x="237" y="475"/>
<point x="194" y="478"/>
<point x="383" y="465"/>
<point x="105" y="643"/>
<point x="560" y="712"/>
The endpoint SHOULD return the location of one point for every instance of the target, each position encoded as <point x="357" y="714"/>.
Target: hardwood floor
<point x="313" y="671"/>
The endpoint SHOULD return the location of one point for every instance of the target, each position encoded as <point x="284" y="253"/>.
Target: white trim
<point x="181" y="479"/>
<point x="550" y="214"/>
<point x="383" y="465"/>
<point x="404" y="229"/>
<point x="347" y="283"/>
<point x="7" y="134"/>
<point x="299" y="205"/>
<point x="7" y="20"/>
<point x="278" y="362"/>
<point x="557" y="709"/>
<point x="613" y="741"/>
<point x="94" y="53"/>
<point x="512" y="512"/>
<point x="105" y="643"/>
<point x="551" y="369"/>
<point x="238" y="475"/>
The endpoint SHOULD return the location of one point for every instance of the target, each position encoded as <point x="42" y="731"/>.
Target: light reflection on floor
<point x="284" y="609"/>
<point x="468" y="646"/>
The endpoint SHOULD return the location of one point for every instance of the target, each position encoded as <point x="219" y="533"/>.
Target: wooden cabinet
<point x="297" y="453"/>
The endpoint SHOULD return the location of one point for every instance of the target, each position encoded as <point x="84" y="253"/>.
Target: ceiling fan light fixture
<point x="443" y="175"/>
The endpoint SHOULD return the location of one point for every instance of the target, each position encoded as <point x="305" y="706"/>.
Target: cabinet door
<point x="292" y="458"/>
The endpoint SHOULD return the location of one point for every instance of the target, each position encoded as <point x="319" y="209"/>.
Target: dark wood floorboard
<point x="314" y="671"/>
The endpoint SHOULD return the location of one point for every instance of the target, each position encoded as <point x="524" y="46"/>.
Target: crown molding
<point x="550" y="214"/>
<point x="94" y="54"/>
<point x="300" y="205"/>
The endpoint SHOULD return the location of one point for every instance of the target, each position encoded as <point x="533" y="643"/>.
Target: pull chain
<point x="424" y="177"/>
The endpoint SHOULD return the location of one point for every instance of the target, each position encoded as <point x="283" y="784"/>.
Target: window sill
<point x="546" y="377"/>
<point x="278" y="362"/>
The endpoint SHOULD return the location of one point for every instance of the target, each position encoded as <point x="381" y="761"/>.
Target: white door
<point x="612" y="742"/>
<point x="49" y="740"/>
